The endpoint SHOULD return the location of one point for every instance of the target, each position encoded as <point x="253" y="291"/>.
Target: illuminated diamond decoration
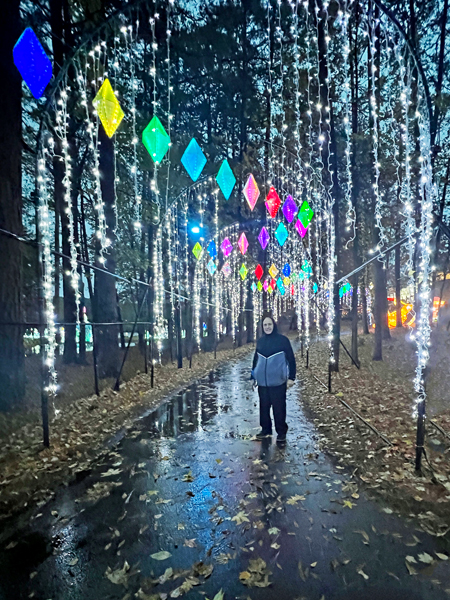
<point x="243" y="271"/>
<point x="193" y="160"/>
<point x="226" y="247"/>
<point x="315" y="287"/>
<point x="266" y="285"/>
<point x="273" y="284"/>
<point x="226" y="269"/>
<point x="259" y="272"/>
<point x="286" y="281"/>
<point x="270" y="289"/>
<point x="281" y="234"/>
<point x="259" y="285"/>
<point x="273" y="202"/>
<point x="289" y="209"/>
<point x="251" y="191"/>
<point x="280" y="286"/>
<point x="273" y="271"/>
<point x="197" y="250"/>
<point x="243" y="244"/>
<point x="306" y="267"/>
<point x="212" y="249"/>
<point x="294" y="277"/>
<point x="301" y="230"/>
<point x="32" y="62"/>
<point x="253" y="286"/>
<point x="292" y="290"/>
<point x="156" y="139"/>
<point x="287" y="270"/>
<point x="305" y="214"/>
<point x="226" y="179"/>
<point x="108" y="108"/>
<point x="263" y="238"/>
<point x="211" y="266"/>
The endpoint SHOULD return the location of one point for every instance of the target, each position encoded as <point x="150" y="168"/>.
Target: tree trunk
<point x="12" y="377"/>
<point x="378" y="309"/>
<point x="398" y="287"/>
<point x="354" y="85"/>
<point x="107" y="336"/>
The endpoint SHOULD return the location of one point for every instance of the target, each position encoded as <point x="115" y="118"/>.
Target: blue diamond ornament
<point x="211" y="266"/>
<point x="32" y="62"/>
<point x="287" y="270"/>
<point x="212" y="249"/>
<point x="193" y="160"/>
<point x="280" y="286"/>
<point x="226" y="179"/>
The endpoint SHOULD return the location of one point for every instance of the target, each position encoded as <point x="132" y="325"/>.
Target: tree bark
<point x="12" y="377"/>
<point x="107" y="336"/>
<point x="398" y="287"/>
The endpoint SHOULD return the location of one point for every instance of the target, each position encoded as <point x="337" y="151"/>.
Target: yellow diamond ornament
<point x="273" y="271"/>
<point x="108" y="108"/>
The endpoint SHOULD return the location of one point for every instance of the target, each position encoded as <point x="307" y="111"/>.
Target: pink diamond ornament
<point x="266" y="285"/>
<point x="251" y="191"/>
<point x="300" y="228"/>
<point x="243" y="244"/>
<point x="226" y="247"/>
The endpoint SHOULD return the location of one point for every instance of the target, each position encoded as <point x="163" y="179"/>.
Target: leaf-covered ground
<point x="382" y="393"/>
<point x="29" y="475"/>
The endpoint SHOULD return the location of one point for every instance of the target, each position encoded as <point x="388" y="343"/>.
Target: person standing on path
<point x="274" y="371"/>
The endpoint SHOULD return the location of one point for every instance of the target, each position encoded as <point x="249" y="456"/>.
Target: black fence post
<point x="420" y="439"/>
<point x="94" y="360"/>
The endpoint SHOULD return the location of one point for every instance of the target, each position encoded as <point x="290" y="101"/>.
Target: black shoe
<point x="262" y="434"/>
<point x="281" y="439"/>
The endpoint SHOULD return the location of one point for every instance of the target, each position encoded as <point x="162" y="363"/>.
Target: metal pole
<point x="420" y="439"/>
<point x="178" y="333"/>
<point x="94" y="360"/>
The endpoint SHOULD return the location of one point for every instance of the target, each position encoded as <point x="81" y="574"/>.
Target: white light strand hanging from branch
<point x="131" y="51"/>
<point x="47" y="268"/>
<point x="92" y="129"/>
<point x="408" y="204"/>
<point x="372" y="24"/>
<point x="350" y="216"/>
<point x="62" y="122"/>
<point x="279" y="30"/>
<point x="426" y="202"/>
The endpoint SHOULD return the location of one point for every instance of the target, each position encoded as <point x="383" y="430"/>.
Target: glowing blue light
<point x="32" y="62"/>
<point x="195" y="229"/>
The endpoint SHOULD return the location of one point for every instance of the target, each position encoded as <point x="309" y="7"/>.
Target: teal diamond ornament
<point x="280" y="286"/>
<point x="281" y="234"/>
<point x="226" y="179"/>
<point x="156" y="140"/>
<point x="193" y="160"/>
<point x="254" y="288"/>
<point x="211" y="266"/>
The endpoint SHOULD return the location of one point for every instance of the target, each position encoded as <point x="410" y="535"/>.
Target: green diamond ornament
<point x="259" y="285"/>
<point x="197" y="250"/>
<point x="305" y="214"/>
<point x="156" y="140"/>
<point x="226" y="179"/>
<point x="243" y="271"/>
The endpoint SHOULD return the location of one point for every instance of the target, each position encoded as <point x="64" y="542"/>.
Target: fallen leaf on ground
<point x="119" y="576"/>
<point x="162" y="555"/>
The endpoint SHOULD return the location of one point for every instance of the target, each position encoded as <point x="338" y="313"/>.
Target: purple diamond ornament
<point x="263" y="238"/>
<point x="289" y="209"/>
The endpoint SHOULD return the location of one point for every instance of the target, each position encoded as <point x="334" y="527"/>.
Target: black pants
<point x="274" y="397"/>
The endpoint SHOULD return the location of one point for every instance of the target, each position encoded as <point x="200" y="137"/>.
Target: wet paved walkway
<point x="188" y="485"/>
